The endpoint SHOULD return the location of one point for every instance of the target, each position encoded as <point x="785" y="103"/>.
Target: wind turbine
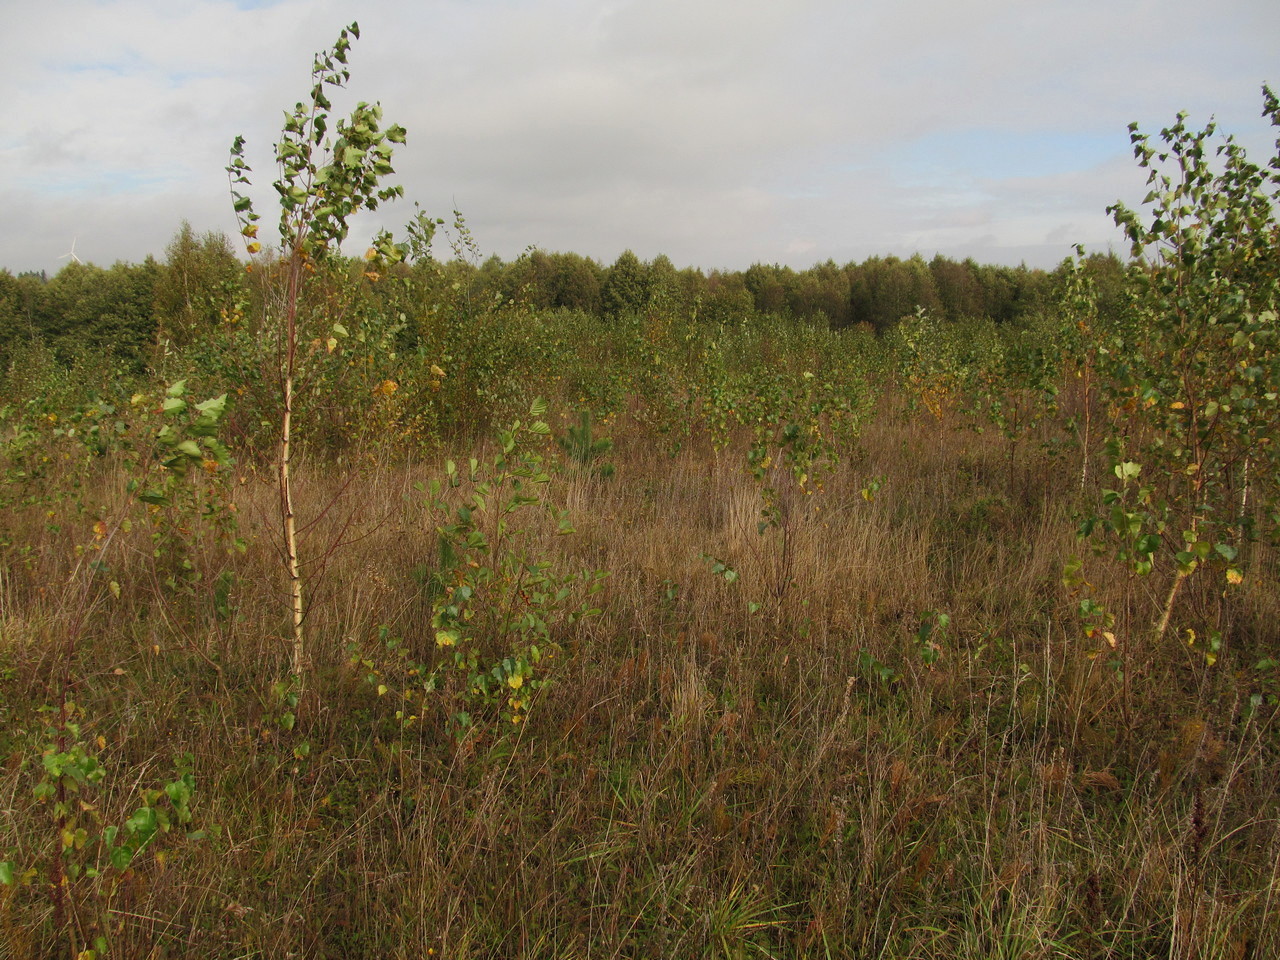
<point x="72" y="252"/>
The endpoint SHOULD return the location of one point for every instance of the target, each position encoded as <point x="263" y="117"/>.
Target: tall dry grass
<point x="764" y="767"/>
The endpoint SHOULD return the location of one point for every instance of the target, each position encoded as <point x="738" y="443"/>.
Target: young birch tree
<point x="322" y="183"/>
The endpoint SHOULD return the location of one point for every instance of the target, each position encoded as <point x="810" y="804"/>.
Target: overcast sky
<point x="718" y="132"/>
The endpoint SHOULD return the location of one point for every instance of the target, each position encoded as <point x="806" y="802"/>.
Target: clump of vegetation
<point x="585" y="449"/>
<point x="953" y="641"/>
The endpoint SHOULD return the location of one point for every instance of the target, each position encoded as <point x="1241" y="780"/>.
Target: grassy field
<point x="879" y="729"/>
<point x="916" y="630"/>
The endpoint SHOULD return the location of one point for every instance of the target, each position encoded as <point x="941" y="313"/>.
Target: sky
<point x="720" y="133"/>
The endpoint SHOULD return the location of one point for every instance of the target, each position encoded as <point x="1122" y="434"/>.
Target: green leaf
<point x="178" y="792"/>
<point x="1148" y="544"/>
<point x="213" y="407"/>
<point x="143" y="823"/>
<point x="177" y="389"/>
<point x="6" y="873"/>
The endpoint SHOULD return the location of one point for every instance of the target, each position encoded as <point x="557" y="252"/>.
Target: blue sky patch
<point x="940" y="159"/>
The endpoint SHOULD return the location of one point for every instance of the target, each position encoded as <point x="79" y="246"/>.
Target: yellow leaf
<point x="254" y="247"/>
<point x="1234" y="576"/>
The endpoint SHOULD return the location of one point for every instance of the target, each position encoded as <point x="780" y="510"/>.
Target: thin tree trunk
<point x="1088" y="423"/>
<point x="286" y="491"/>
<point x="1167" y="613"/>
<point x="1244" y="493"/>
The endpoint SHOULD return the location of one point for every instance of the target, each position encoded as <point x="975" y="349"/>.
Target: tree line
<point x="127" y="309"/>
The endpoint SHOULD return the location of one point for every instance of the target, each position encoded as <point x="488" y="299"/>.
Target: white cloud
<point x="717" y="132"/>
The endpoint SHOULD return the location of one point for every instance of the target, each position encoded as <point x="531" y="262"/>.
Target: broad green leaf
<point x="143" y="823"/>
<point x="213" y="407"/>
<point x="1128" y="470"/>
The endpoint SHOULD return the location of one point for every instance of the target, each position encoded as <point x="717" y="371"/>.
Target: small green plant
<point x="1267" y="675"/>
<point x="181" y="509"/>
<point x="797" y="425"/>
<point x="90" y="857"/>
<point x="585" y="449"/>
<point x="498" y="608"/>
<point x="931" y="636"/>
<point x="870" y="664"/>
<point x="721" y="569"/>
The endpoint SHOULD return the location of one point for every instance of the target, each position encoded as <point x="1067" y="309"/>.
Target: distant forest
<point x="128" y="309"/>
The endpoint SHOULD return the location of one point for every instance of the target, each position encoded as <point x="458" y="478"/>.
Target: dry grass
<point x="705" y="777"/>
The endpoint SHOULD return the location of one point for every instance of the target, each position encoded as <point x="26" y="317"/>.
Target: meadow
<point x="375" y="611"/>
<point x="892" y="722"/>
